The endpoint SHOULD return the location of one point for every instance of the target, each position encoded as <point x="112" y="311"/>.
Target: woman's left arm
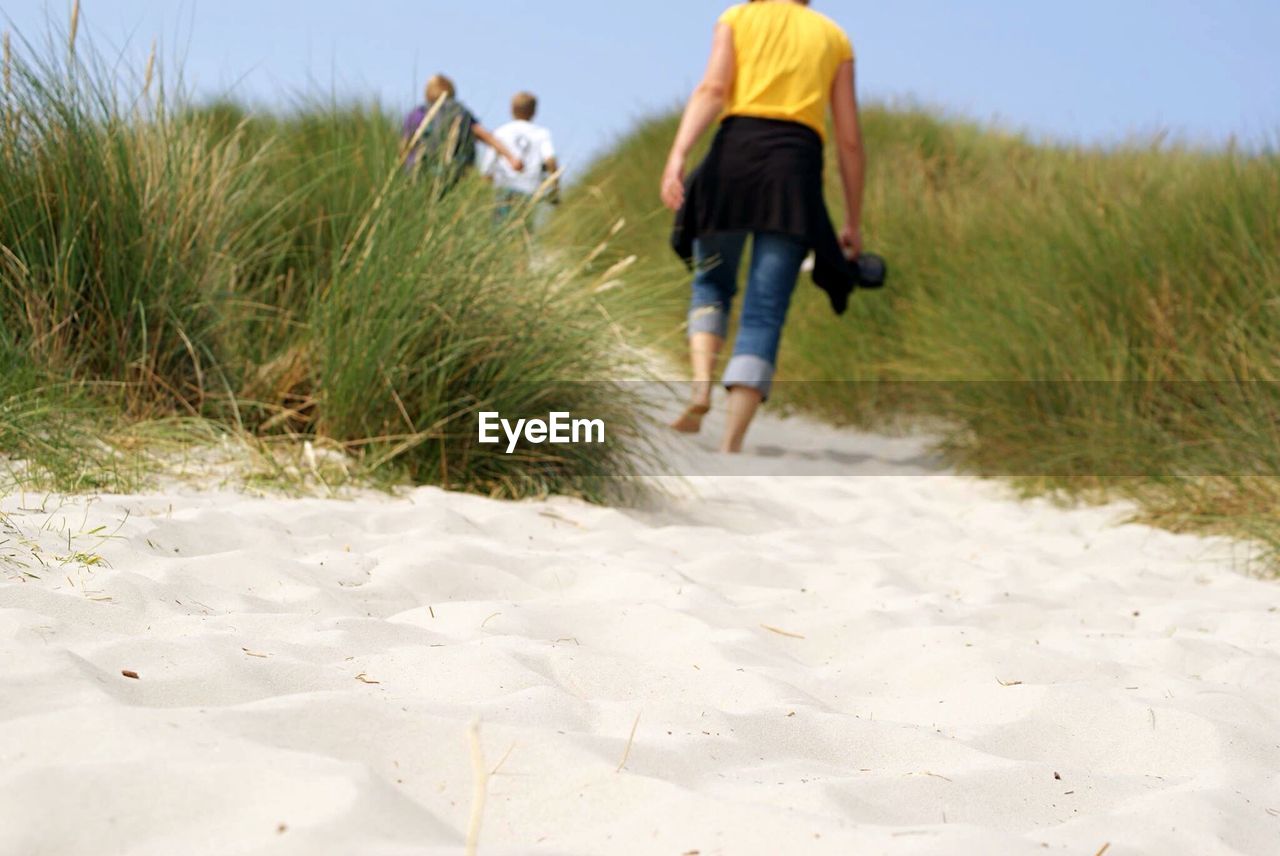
<point x="705" y="106"/>
<point x="482" y="134"/>
<point x="851" y="154"/>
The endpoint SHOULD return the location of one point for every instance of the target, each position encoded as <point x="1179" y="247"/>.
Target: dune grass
<point x="274" y="276"/>
<point x="1082" y="319"/>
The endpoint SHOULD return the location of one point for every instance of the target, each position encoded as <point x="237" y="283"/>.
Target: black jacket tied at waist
<point x="765" y="175"/>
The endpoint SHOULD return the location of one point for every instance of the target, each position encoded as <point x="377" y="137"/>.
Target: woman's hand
<point x="673" y="184"/>
<point x="851" y="241"/>
<point x="514" y="162"/>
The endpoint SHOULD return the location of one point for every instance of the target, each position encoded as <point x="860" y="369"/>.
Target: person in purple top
<point x="447" y="144"/>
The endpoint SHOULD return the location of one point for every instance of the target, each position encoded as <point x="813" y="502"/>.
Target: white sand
<point x="976" y="675"/>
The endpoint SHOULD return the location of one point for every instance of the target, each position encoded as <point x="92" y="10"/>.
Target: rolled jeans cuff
<point x="709" y="319"/>
<point x="749" y="371"/>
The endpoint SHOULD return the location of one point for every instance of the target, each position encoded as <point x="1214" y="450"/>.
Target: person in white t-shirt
<point x="532" y="145"/>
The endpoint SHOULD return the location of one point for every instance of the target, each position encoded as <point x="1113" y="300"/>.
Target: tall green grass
<point x="1080" y="318"/>
<point x="280" y="276"/>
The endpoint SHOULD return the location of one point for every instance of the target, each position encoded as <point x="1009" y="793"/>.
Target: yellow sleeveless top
<point x="787" y="57"/>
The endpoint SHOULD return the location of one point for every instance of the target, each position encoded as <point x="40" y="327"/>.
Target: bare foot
<point x="690" y="422"/>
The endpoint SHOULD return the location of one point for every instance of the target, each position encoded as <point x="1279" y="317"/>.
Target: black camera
<point x="872" y="271"/>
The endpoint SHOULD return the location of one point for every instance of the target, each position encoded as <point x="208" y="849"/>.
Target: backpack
<point x="451" y="124"/>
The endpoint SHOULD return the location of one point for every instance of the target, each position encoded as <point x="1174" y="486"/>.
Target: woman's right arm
<point x="706" y="105"/>
<point x="483" y="135"/>
<point x="852" y="155"/>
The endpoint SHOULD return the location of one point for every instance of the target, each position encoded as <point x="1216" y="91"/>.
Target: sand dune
<point x="883" y="658"/>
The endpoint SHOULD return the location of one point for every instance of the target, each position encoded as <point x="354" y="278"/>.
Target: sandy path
<point x="948" y="672"/>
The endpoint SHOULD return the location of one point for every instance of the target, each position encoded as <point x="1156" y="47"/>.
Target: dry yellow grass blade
<point x="150" y="72"/>
<point x="781" y="632"/>
<point x="10" y="113"/>
<point x="367" y="226"/>
<point x="75" y="29"/>
<point x="626" y="753"/>
<point x="480" y="788"/>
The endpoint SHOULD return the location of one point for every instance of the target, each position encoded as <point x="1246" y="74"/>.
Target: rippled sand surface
<point x="878" y="658"/>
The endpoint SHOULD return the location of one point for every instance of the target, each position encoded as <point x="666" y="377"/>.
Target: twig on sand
<point x="479" y="788"/>
<point x="781" y="632"/>
<point x="626" y="753"/>
<point x="1104" y="849"/>
<point x="551" y="515"/>
<point x="365" y="679"/>
<point x="1008" y="683"/>
<point x="498" y="767"/>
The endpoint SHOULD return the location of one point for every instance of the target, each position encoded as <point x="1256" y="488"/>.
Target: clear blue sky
<point x="1084" y="70"/>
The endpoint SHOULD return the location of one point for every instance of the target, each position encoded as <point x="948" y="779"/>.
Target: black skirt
<point x="765" y="175"/>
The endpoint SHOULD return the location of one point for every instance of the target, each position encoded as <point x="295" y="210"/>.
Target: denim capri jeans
<point x="775" y="268"/>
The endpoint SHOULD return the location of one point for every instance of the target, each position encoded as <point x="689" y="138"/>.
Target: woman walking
<point x="775" y="66"/>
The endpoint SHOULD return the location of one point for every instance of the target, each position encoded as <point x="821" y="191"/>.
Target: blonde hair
<point x="524" y="105"/>
<point x="438" y="87"/>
